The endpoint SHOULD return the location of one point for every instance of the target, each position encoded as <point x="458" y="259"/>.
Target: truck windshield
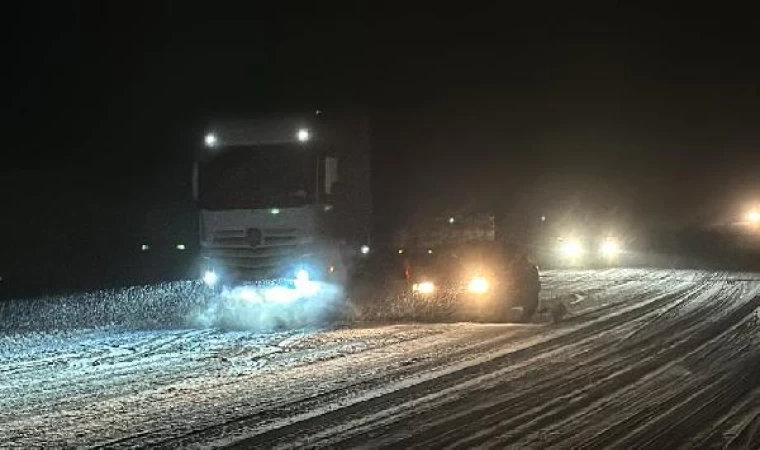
<point x="261" y="176"/>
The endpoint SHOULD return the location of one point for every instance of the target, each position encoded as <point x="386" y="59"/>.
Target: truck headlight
<point x="303" y="283"/>
<point x="478" y="285"/>
<point x="425" y="287"/>
<point x="302" y="275"/>
<point x="210" y="278"/>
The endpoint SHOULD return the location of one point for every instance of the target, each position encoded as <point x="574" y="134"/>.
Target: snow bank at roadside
<point x="164" y="305"/>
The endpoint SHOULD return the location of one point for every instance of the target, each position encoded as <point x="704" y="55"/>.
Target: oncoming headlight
<point x="609" y="248"/>
<point x="754" y="217"/>
<point x="478" y="285"/>
<point x="572" y="248"/>
<point x="425" y="287"/>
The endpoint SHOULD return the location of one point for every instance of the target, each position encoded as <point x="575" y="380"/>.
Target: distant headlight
<point x="425" y="287"/>
<point x="478" y="285"/>
<point x="609" y="248"/>
<point x="754" y="217"/>
<point x="210" y="140"/>
<point x="572" y="248"/>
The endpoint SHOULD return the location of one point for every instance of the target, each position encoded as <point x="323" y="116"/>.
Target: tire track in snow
<point x="103" y="377"/>
<point x="551" y="386"/>
<point x="642" y="399"/>
<point x="355" y="411"/>
<point x="400" y="383"/>
<point x="637" y="402"/>
<point x="553" y="405"/>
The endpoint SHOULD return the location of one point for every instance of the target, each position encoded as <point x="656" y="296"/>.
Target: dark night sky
<point x="650" y="113"/>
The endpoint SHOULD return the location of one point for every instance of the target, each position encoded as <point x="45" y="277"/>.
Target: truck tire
<point x="529" y="306"/>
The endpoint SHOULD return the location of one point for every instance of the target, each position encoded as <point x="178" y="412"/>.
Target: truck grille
<point x="235" y="252"/>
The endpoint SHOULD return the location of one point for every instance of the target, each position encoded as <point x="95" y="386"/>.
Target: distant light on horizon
<point x="572" y="248"/>
<point x="303" y="135"/>
<point x="754" y="217"/>
<point x="609" y="248"/>
<point x="210" y="140"/>
<point x="181" y="246"/>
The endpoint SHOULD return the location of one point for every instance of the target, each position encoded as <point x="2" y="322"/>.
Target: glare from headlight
<point x="279" y="294"/>
<point x="609" y="248"/>
<point x="478" y="285"/>
<point x="305" y="287"/>
<point x="425" y="287"/>
<point x="250" y="295"/>
<point x="572" y="248"/>
<point x="210" y="278"/>
<point x="302" y="275"/>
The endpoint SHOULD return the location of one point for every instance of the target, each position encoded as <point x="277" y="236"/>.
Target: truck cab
<point x="283" y="198"/>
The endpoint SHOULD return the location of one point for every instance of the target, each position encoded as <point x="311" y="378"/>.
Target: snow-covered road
<point x="646" y="358"/>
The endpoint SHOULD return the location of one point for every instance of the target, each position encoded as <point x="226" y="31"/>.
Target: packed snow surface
<point x="645" y="358"/>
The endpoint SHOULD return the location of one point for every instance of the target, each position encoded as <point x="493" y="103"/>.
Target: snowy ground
<point x="647" y="358"/>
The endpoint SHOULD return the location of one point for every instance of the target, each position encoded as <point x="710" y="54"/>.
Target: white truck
<point x="283" y="199"/>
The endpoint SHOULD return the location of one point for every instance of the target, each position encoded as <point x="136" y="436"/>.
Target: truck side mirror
<point x="331" y="174"/>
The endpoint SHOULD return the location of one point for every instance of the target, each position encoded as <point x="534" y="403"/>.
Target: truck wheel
<point x="529" y="307"/>
<point x="503" y="308"/>
<point x="504" y="314"/>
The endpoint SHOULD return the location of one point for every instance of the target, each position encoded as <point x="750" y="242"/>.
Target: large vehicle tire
<point x="529" y="306"/>
<point x="504" y="314"/>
